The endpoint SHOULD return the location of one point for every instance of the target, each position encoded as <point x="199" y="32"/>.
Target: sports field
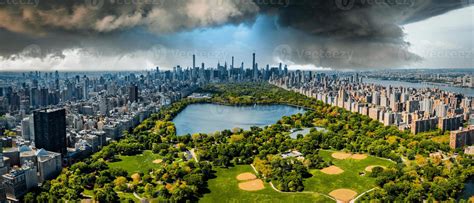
<point x="346" y="173"/>
<point x="138" y="163"/>
<point x="225" y="188"/>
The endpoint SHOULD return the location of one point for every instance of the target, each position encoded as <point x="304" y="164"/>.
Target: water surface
<point x="209" y="118"/>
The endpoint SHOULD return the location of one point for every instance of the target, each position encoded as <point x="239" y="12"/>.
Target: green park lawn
<point x="138" y="163"/>
<point x="224" y="188"/>
<point x="349" y="179"/>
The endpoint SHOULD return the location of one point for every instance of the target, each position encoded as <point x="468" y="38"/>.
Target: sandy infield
<point x="158" y="161"/>
<point x="340" y="155"/>
<point x="246" y="176"/>
<point x="359" y="156"/>
<point x="344" y="195"/>
<point x="332" y="170"/>
<point x="253" y="185"/>
<point x="369" y="168"/>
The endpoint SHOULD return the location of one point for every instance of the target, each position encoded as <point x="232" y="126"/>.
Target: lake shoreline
<point x="208" y="117"/>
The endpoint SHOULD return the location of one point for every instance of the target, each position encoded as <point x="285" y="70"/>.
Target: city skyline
<point x="291" y="101"/>
<point x="131" y="123"/>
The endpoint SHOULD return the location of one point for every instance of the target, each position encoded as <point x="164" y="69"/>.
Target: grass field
<point x="138" y="163"/>
<point x="349" y="179"/>
<point x="225" y="188"/>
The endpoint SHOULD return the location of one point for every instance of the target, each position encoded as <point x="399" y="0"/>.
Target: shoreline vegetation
<point x="415" y="177"/>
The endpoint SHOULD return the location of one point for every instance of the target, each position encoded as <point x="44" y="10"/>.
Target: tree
<point x="136" y="178"/>
<point x="105" y="194"/>
<point x="29" y="198"/>
<point x="150" y="190"/>
<point x="120" y="183"/>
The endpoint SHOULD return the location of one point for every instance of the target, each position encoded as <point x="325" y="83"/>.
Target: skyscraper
<point x="34" y="97"/>
<point x="50" y="130"/>
<point x="232" y="66"/>
<point x="254" y="67"/>
<point x="133" y="93"/>
<point x="253" y="61"/>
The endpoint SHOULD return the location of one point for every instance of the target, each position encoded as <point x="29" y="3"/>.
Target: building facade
<point x="50" y="130"/>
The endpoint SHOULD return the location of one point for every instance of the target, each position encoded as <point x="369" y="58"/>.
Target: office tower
<point x="253" y="61"/>
<point x="85" y="90"/>
<point x="25" y="128"/>
<point x="232" y="66"/>
<point x="254" y="68"/>
<point x="133" y="93"/>
<point x="50" y="130"/>
<point x="194" y="61"/>
<point x="43" y="101"/>
<point x="34" y="97"/>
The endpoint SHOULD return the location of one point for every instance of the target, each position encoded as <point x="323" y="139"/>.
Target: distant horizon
<point x="290" y="69"/>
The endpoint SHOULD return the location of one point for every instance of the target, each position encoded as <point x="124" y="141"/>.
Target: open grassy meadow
<point x="138" y="163"/>
<point x="349" y="179"/>
<point x="224" y="188"/>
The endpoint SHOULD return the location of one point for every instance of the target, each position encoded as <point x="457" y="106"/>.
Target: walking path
<point x="87" y="195"/>
<point x="138" y="197"/>
<point x="193" y="154"/>
<point x="355" y="199"/>
<point x="302" y="192"/>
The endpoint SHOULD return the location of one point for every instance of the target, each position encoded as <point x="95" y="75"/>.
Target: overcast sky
<point x="66" y="35"/>
<point x="445" y="41"/>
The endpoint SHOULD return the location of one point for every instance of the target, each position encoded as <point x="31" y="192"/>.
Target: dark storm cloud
<point x="353" y="33"/>
<point x="330" y="33"/>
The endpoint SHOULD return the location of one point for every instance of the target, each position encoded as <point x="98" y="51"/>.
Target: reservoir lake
<point x="209" y="118"/>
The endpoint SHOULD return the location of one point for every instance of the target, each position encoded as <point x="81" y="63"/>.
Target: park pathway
<point x="355" y="199"/>
<point x="193" y="154"/>
<point x="303" y="192"/>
